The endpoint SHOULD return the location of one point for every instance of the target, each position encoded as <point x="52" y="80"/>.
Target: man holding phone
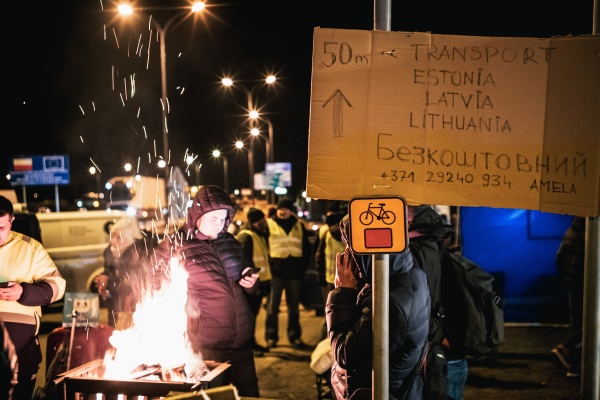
<point x="31" y="280"/>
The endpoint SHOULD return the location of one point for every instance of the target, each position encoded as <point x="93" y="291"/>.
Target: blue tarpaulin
<point x="518" y="247"/>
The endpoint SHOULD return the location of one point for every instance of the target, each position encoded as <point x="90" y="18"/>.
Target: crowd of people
<point x="224" y="301"/>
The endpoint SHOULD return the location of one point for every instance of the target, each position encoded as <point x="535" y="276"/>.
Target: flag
<point x="23" y="164"/>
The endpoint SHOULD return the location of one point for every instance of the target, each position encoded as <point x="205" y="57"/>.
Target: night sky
<point x="83" y="83"/>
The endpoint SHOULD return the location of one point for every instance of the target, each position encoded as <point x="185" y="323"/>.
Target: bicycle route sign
<point x="378" y="224"/>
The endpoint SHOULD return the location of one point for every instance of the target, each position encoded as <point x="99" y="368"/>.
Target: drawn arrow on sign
<point x="338" y="111"/>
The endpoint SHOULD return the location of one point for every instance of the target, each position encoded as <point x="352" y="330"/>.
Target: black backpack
<point x="473" y="312"/>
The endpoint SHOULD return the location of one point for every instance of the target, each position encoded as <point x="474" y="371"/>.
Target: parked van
<point x="76" y="241"/>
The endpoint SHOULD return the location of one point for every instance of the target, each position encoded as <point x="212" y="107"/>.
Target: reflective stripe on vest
<point x="332" y="247"/>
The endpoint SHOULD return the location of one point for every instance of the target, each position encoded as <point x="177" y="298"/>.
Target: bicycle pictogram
<point x="385" y="216"/>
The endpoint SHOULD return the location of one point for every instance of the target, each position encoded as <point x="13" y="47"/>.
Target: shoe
<point x="562" y="353"/>
<point x="298" y="344"/>
<point x="258" y="347"/>
<point x="573" y="374"/>
<point x="271" y="344"/>
<point x="258" y="350"/>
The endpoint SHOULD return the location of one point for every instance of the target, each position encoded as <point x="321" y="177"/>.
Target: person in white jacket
<point x="29" y="279"/>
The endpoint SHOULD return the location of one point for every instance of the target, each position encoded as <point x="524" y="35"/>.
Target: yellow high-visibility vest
<point x="282" y="244"/>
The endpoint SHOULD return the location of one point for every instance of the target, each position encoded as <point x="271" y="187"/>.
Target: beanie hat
<point x="333" y="219"/>
<point x="286" y="203"/>
<point x="254" y="215"/>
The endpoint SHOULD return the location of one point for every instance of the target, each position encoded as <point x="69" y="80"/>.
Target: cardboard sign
<point x="456" y="120"/>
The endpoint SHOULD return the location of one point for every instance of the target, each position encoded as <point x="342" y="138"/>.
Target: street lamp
<point x="240" y="145"/>
<point x="252" y="106"/>
<point x="95" y="172"/>
<point x="126" y="9"/>
<point x="253" y="114"/>
<point x="190" y="160"/>
<point x="217" y="154"/>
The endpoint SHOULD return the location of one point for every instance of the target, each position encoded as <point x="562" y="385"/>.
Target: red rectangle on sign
<point x="378" y="238"/>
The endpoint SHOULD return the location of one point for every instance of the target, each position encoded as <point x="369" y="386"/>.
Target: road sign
<point x="378" y="224"/>
<point x="39" y="170"/>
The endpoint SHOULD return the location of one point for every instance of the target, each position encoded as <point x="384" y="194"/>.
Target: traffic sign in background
<point x="39" y="170"/>
<point x="378" y="224"/>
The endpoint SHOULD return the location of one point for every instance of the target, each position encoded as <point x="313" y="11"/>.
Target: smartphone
<point x="249" y="271"/>
<point x="3" y="284"/>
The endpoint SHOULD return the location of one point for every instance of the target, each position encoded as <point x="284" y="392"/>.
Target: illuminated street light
<point x="252" y="107"/>
<point x="240" y="145"/>
<point x="126" y="10"/>
<point x="218" y="154"/>
<point x="94" y="172"/>
<point x="190" y="160"/>
<point x="255" y="115"/>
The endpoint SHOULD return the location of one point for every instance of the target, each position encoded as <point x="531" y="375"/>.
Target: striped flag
<point x="22" y="164"/>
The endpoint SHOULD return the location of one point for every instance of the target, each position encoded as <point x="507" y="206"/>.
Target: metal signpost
<point x="378" y="226"/>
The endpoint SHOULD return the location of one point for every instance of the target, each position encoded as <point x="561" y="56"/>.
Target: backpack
<point x="473" y="312"/>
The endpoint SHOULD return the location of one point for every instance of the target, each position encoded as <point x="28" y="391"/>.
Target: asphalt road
<point x="524" y="368"/>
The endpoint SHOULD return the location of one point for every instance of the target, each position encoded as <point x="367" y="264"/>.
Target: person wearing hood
<point x="350" y="324"/>
<point x="427" y="231"/>
<point x="220" y="324"/>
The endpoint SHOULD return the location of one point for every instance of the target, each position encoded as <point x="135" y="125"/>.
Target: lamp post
<point x="253" y="114"/>
<point x="126" y="9"/>
<point x="217" y="154"/>
<point x="93" y="171"/>
<point x="190" y="160"/>
<point x="240" y="146"/>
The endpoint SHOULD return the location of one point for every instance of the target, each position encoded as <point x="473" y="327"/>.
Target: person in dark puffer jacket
<point x="349" y="323"/>
<point x="220" y="323"/>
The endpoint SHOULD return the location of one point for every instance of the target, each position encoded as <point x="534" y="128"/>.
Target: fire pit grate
<point x="83" y="382"/>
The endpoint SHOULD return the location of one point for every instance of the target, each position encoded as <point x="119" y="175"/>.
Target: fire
<point x="157" y="336"/>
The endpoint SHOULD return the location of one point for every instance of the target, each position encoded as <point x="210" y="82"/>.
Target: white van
<point x="76" y="241"/>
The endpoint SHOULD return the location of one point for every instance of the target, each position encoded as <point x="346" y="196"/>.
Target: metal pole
<point x="251" y="167"/>
<point x="590" y="387"/>
<point x="590" y="335"/>
<point x="381" y="313"/>
<point x="381" y="274"/>
<point x="164" y="110"/>
<point x="225" y="174"/>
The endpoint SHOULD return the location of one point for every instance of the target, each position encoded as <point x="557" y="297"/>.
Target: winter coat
<point x="427" y="231"/>
<point x="349" y="321"/>
<point x="219" y="317"/>
<point x="127" y="275"/>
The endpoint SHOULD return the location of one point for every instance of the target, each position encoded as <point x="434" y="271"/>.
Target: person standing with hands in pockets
<point x="31" y="280"/>
<point x="290" y="255"/>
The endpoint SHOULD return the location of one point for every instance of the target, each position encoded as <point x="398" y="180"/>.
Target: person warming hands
<point x="220" y="323"/>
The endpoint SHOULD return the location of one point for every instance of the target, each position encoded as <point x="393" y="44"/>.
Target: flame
<point x="157" y="335"/>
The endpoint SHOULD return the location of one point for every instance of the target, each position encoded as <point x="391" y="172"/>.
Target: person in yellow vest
<point x="330" y="243"/>
<point x="290" y="252"/>
<point x="256" y="253"/>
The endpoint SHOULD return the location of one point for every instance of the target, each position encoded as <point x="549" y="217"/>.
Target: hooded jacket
<point x="349" y="321"/>
<point x="218" y="313"/>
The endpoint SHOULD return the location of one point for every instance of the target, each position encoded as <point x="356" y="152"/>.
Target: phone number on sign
<point x="486" y="180"/>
